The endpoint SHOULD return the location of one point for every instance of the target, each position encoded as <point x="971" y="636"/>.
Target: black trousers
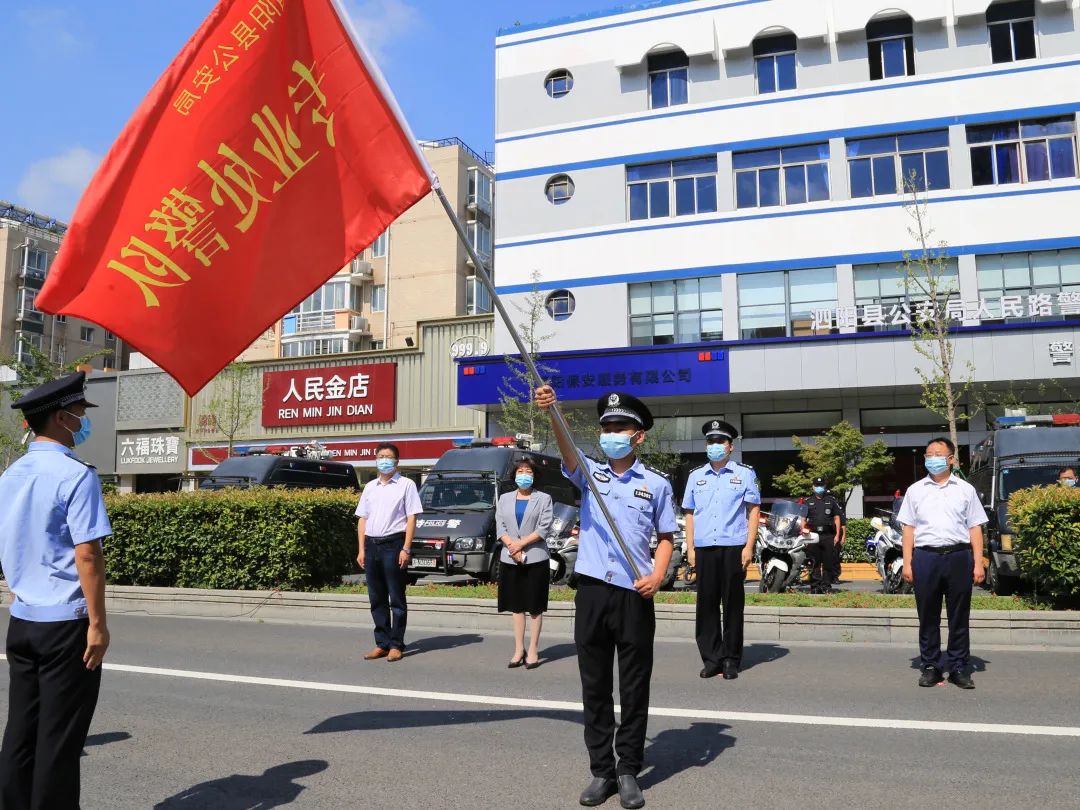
<point x="947" y="576"/>
<point x="720" y="599"/>
<point x="386" y="589"/>
<point x="609" y="619"/>
<point x="823" y="564"/>
<point x="51" y="701"/>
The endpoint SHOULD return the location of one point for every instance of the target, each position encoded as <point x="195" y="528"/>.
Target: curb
<point x="988" y="627"/>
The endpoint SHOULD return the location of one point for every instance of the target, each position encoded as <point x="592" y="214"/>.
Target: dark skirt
<point x="524" y="588"/>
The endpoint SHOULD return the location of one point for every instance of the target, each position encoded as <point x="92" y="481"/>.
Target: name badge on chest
<point x="736" y="481"/>
<point x="643" y="493"/>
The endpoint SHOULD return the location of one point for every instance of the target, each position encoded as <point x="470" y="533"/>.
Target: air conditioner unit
<point x="360" y="271"/>
<point x="358" y="325"/>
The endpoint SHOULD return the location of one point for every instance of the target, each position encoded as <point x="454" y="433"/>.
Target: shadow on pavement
<point x="758" y="653"/>
<point x="675" y="750"/>
<point x="557" y="653"/>
<point x="434" y="643"/>
<point x="975" y="663"/>
<point x="272" y="788"/>
<point x="381" y="720"/>
<point x="105" y="739"/>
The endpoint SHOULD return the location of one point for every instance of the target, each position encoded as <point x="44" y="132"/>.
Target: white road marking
<point x="569" y="706"/>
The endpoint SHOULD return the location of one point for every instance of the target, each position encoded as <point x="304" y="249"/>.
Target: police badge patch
<point x="603" y="478"/>
<point x="643" y="493"/>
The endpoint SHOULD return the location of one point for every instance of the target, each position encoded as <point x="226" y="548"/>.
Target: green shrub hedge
<point x="854" y="548"/>
<point x="1046" y="537"/>
<point x="233" y="539"/>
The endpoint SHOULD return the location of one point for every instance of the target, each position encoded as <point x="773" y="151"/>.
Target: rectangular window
<point x="109" y="336"/>
<point x="22" y="339"/>
<point x="1029" y="287"/>
<point x="890" y="48"/>
<point x="783" y="303"/>
<point x="789" y="176"/>
<point x="378" y="298"/>
<point x="37" y="260"/>
<point x="477" y="297"/>
<point x="378" y="247"/>
<point x="1023" y="151"/>
<point x="774" y="63"/>
<point x="479" y="189"/>
<point x="898" y="163"/>
<point x="28" y="310"/>
<point x="682" y="187"/>
<point x="377" y="345"/>
<point x="1012" y="31"/>
<point x="317" y="346"/>
<point x="60" y="318"/>
<point x="480" y="238"/>
<point x="786" y="425"/>
<point x="683" y="311"/>
<point x="668" y="79"/>
<point x="86" y="334"/>
<point x="903" y="420"/>
<point x="885" y="301"/>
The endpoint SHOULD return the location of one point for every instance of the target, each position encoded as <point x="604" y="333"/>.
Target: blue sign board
<point x="588" y="375"/>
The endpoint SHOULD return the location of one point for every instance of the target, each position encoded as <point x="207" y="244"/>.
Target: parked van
<point x="456" y="532"/>
<point x="267" y="470"/>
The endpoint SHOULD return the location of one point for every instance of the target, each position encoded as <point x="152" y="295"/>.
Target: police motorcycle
<point x="782" y="543"/>
<point x="885" y="548"/>
<point x="563" y="545"/>
<point x="678" y="554"/>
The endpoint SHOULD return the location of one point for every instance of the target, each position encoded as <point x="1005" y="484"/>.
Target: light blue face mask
<point x="523" y="480"/>
<point x="819" y="490"/>
<point x="616" y="445"/>
<point x="385" y="465"/>
<point x="716" y="452"/>
<point x="936" y="464"/>
<point x="1068" y="482"/>
<point x="83" y="433"/>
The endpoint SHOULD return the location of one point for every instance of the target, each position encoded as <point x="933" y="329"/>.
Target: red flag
<point x="266" y="157"/>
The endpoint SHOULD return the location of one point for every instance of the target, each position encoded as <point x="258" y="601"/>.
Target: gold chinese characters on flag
<point x="267" y="156"/>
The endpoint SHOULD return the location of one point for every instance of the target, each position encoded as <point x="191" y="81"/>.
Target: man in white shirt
<point x="943" y="544"/>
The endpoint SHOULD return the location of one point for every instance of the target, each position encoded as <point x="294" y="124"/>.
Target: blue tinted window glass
<point x="795" y="185"/>
<point x="678" y="86"/>
<point x="1037" y="129"/>
<point x="747" y="160"/>
<point x="785" y="71"/>
<point x="982" y="165"/>
<point x="649" y="171"/>
<point x="288" y="324"/>
<point x="861" y="185"/>
<point x="802" y="154"/>
<point x="706" y="194"/>
<point x="639" y="201"/>
<point x="684" y="197"/>
<point x="924" y="140"/>
<point x="817" y="178"/>
<point x="894" y="58"/>
<point x="659" y="200"/>
<point x="937" y="170"/>
<point x="871" y="146"/>
<point x="884" y="175"/>
<point x="658" y="94"/>
<point x="766" y="74"/>
<point x="911" y="172"/>
<point x="746" y="189"/>
<point x="1062" y="158"/>
<point x="768" y="187"/>
<point x="1038" y="161"/>
<point x="682" y="168"/>
<point x="993" y="132"/>
<point x="1007" y="162"/>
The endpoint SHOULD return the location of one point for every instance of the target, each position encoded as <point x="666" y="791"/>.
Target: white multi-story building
<point x="712" y="194"/>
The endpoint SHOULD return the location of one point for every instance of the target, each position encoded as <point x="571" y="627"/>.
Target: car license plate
<point x="425" y="562"/>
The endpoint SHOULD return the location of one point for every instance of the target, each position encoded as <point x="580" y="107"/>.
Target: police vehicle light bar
<point x="1054" y="420"/>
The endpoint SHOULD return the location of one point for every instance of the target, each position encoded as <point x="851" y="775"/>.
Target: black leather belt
<point x="945" y="549"/>
<point x="386" y="538"/>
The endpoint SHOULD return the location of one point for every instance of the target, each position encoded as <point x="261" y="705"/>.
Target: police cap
<point x="618" y="405"/>
<point x="54" y="395"/>
<point x="820" y="482"/>
<point x="718" y="427"/>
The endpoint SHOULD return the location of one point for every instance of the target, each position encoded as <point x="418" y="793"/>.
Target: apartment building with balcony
<point x="416" y="270"/>
<point x="713" y="194"/>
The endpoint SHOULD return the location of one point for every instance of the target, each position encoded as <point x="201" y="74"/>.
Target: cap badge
<point x="613" y="400"/>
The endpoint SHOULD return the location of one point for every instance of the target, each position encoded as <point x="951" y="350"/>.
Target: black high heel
<point x="518" y="663"/>
<point x="533" y="665"/>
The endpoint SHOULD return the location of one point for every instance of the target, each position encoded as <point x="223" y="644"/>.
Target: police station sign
<point x="330" y="396"/>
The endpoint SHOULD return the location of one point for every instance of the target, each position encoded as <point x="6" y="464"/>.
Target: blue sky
<point x="75" y="70"/>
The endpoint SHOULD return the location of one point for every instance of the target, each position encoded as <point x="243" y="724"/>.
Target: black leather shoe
<point x="710" y="671"/>
<point x="629" y="793"/>
<point x="961" y="679"/>
<point x="731" y="670"/>
<point x="931" y="676"/>
<point x="598" y="791"/>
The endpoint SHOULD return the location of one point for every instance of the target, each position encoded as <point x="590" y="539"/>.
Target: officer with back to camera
<point x="52" y="522"/>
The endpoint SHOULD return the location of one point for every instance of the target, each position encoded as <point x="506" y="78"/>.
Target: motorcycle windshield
<point x="784" y="517"/>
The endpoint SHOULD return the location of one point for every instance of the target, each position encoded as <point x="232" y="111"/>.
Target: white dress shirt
<point x="942" y="514"/>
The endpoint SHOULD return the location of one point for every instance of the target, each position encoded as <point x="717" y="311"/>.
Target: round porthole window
<point x="559" y="83"/>
<point x="559" y="189"/>
<point x="560" y="305"/>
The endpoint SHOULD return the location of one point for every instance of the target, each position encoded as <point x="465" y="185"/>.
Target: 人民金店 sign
<point x="330" y="396"/>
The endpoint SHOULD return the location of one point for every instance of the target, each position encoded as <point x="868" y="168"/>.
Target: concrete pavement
<point x="328" y="730"/>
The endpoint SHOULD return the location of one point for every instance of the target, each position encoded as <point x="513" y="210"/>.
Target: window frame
<point x="477" y="298"/>
<point x="1020" y="142"/>
<point x="1031" y="289"/>
<point x="555" y="182"/>
<point x="781" y="168"/>
<point x="897" y="156"/>
<point x="27" y="305"/>
<point x="789" y="329"/>
<point x="672" y="180"/>
<point x="563" y="296"/>
<point x="379" y="246"/>
<point x="667" y="73"/>
<point x="559" y="74"/>
<point x="676" y="313"/>
<point x="1011" y="22"/>
<point x="86" y="334"/>
<point x="906" y="299"/>
<point x="880" y="39"/>
<point x="769" y="49"/>
<point x="378" y="292"/>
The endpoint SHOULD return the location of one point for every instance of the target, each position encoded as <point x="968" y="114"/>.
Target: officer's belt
<point x="386" y="538"/>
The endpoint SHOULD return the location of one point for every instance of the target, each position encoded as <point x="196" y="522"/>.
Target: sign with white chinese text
<point x="330" y="396"/>
<point x="1061" y="352"/>
<point x="155" y="452"/>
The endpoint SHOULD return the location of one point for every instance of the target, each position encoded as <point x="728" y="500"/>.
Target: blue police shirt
<point x="718" y="500"/>
<point x="640" y="501"/>
<point x="51" y="503"/>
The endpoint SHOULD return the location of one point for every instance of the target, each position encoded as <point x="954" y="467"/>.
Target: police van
<point x="1021" y="452"/>
<point x="455" y="534"/>
<point x="290" y="472"/>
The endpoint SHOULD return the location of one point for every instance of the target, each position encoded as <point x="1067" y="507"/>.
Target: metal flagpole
<point x="526" y="357"/>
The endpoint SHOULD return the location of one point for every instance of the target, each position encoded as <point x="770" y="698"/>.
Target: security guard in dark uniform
<point x="614" y="612"/>
<point x="824" y="518"/>
<point x="841" y="538"/>
<point x="722" y="504"/>
<point x="51" y="526"/>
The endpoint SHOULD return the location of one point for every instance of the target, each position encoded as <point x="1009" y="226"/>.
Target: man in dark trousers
<point x="614" y="612"/>
<point x="824" y="518"/>
<point x="722" y="504"/>
<point x="943" y="545"/>
<point x="52" y="522"/>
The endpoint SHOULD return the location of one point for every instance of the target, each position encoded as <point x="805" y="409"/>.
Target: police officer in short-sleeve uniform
<point x="51" y="526"/>
<point x="824" y="518"/>
<point x="722" y="504"/>
<point x="613" y="612"/>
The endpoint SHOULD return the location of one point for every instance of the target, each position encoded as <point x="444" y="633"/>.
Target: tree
<point x="657" y="450"/>
<point x="930" y="286"/>
<point x="841" y="456"/>
<point x="236" y="400"/>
